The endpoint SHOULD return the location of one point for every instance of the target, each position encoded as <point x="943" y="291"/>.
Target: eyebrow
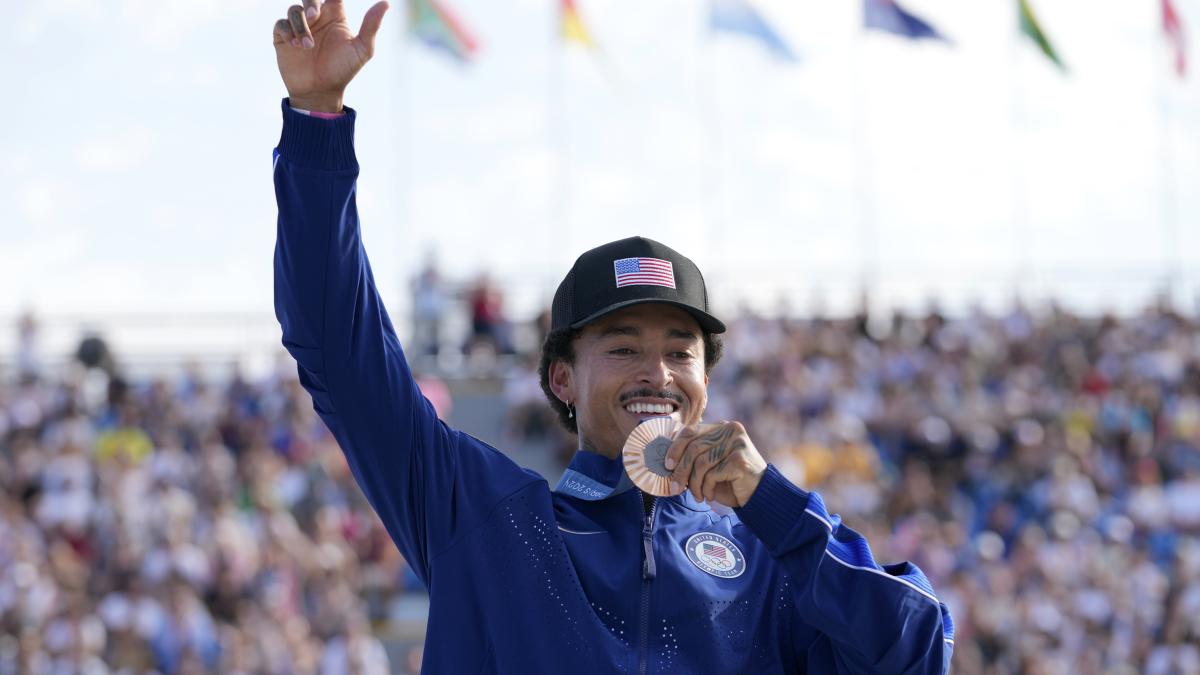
<point x="634" y="331"/>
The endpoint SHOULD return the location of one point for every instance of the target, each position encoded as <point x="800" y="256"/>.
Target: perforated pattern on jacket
<point x="549" y="589"/>
<point x="751" y="627"/>
<point x="545" y="601"/>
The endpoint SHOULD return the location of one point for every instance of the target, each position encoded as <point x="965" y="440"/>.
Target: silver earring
<point x="570" y="411"/>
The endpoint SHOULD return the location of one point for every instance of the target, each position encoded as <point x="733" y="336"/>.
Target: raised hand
<point x="318" y="55"/>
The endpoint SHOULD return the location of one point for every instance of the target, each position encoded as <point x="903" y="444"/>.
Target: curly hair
<point x="560" y="346"/>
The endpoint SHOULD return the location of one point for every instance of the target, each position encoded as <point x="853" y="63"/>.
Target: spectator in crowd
<point x="184" y="527"/>
<point x="29" y="361"/>
<point x="489" y="327"/>
<point x="430" y="301"/>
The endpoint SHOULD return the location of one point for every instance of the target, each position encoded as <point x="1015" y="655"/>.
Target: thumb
<point x="370" y="24"/>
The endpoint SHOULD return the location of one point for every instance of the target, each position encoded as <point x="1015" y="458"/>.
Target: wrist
<point x="777" y="508"/>
<point x="322" y="103"/>
<point x="748" y="486"/>
<point x="309" y="142"/>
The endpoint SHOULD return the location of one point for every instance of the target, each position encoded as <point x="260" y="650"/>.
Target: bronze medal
<point x="645" y="454"/>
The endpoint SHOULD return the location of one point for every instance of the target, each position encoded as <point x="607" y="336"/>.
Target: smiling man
<point x="632" y="339"/>
<point x="593" y="576"/>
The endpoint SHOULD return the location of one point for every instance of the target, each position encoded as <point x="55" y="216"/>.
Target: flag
<point x="887" y="16"/>
<point x="1173" y="27"/>
<point x="432" y="22"/>
<point x="573" y="29"/>
<point x="739" y="16"/>
<point x="644" y="272"/>
<point x="1032" y="29"/>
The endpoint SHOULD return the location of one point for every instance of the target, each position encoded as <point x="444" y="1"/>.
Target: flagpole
<point x="863" y="171"/>
<point x="402" y="90"/>
<point x="559" y="139"/>
<point x="710" y="144"/>
<point x="1022" y="232"/>
<point x="1169" y="194"/>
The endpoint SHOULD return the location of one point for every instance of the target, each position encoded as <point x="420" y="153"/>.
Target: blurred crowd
<point x="1042" y="468"/>
<point x="183" y="527"/>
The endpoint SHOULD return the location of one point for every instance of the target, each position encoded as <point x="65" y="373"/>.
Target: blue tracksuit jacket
<point x="523" y="579"/>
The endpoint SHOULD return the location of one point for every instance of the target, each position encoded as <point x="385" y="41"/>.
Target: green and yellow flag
<point x="432" y="22"/>
<point x="1033" y="29"/>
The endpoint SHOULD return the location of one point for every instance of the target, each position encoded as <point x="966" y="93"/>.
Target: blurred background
<point x="956" y="243"/>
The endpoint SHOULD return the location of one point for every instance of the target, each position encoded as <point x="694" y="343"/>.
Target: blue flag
<point x="739" y="16"/>
<point x="888" y="16"/>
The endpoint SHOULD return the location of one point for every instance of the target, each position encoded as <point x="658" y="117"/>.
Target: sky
<point x="135" y="175"/>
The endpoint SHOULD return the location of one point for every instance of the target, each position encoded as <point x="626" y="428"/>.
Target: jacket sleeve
<point x="872" y="618"/>
<point x="428" y="483"/>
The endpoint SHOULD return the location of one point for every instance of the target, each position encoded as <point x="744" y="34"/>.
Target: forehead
<point x="646" y="318"/>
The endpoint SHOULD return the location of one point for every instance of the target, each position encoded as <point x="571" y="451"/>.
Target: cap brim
<point x="707" y="321"/>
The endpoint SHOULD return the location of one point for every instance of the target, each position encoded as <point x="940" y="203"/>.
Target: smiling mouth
<point x="639" y="408"/>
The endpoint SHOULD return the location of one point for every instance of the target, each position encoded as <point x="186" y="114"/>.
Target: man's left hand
<point x="717" y="462"/>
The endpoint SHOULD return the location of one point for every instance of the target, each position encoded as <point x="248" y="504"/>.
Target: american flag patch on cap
<point x="644" y="272"/>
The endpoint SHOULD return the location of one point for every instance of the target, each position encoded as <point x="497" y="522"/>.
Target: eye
<point x="621" y="351"/>
<point x="682" y="356"/>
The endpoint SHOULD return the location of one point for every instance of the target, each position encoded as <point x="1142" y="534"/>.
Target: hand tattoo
<point x="724" y="442"/>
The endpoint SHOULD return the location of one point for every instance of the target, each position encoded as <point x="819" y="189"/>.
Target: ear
<point x="562" y="381"/>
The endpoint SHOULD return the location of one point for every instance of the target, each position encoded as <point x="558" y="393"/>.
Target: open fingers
<point x="370" y="25"/>
<point x="312" y="10"/>
<point x="283" y="33"/>
<point x="300" y="26"/>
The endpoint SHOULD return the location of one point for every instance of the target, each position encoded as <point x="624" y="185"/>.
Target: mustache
<point x="651" y="393"/>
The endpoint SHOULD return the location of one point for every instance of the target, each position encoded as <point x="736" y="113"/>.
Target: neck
<point x="585" y="444"/>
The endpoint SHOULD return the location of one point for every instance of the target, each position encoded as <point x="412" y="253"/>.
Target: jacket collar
<point x="593" y="477"/>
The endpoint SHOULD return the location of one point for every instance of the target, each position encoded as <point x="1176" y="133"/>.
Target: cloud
<point x="39" y="201"/>
<point x="163" y="23"/>
<point x="32" y="24"/>
<point x="116" y="152"/>
<point x="33" y="265"/>
<point x="516" y="118"/>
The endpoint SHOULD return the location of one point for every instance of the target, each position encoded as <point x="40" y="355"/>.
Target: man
<point x="594" y="576"/>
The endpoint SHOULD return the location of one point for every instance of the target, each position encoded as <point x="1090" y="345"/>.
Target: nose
<point x="654" y="371"/>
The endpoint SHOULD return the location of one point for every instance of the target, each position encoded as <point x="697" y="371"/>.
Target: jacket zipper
<point x="649" y="571"/>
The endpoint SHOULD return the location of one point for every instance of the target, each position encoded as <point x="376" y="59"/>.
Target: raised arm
<point x="429" y="483"/>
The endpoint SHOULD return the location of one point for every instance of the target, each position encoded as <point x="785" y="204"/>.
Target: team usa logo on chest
<point x="715" y="555"/>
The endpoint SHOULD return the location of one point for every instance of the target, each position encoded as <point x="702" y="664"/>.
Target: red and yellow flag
<point x="573" y="29"/>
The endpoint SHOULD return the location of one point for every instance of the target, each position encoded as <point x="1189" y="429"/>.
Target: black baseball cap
<point x="629" y="272"/>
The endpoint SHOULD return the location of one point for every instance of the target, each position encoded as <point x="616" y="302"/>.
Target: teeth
<point x="653" y="408"/>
